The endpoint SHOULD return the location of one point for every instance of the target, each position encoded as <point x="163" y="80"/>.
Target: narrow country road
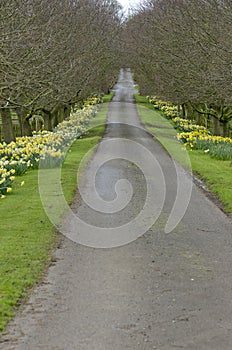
<point x="161" y="291"/>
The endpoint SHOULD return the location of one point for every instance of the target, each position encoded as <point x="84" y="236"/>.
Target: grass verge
<point x="27" y="237"/>
<point x="108" y="98"/>
<point x="216" y="174"/>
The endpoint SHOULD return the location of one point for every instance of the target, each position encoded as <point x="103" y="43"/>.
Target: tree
<point x="54" y="54"/>
<point x="179" y="52"/>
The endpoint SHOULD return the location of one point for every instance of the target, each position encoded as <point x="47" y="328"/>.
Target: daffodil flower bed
<point x="198" y="137"/>
<point x="169" y="110"/>
<point x="216" y="146"/>
<point x="93" y="100"/>
<point x="185" y="125"/>
<point x="27" y="152"/>
<point x="192" y="135"/>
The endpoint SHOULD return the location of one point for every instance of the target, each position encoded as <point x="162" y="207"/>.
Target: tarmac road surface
<point x="160" y="291"/>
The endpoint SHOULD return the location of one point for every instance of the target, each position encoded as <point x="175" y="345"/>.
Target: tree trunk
<point x="183" y="110"/>
<point x="207" y="121"/>
<point x="67" y="111"/>
<point x="188" y="111"/>
<point x="7" y="126"/>
<point x="60" y="115"/>
<point x="20" y="119"/>
<point x="47" y="120"/>
<point x="54" y="118"/>
<point x="216" y="126"/>
<point x="106" y="89"/>
<point x="198" y="118"/>
<point x="225" y="128"/>
<point x="27" y="127"/>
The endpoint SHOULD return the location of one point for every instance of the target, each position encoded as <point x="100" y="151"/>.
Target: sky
<point x="129" y="3"/>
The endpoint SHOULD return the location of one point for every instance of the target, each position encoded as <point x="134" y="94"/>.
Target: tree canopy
<point x="55" y="53"/>
<point x="180" y="50"/>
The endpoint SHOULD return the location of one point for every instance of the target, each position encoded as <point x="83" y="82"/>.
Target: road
<point x="160" y="291"/>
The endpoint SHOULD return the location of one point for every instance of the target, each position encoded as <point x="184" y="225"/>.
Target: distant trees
<point x="53" y="54"/>
<point x="180" y="50"/>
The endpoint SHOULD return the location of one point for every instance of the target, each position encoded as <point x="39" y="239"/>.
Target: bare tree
<point x="180" y="51"/>
<point x="53" y="54"/>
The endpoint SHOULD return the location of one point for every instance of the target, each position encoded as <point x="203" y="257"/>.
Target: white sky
<point x="129" y="3"/>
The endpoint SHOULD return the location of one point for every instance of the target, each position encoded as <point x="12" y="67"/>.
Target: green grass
<point x="217" y="174"/>
<point x="108" y="98"/>
<point x="164" y="132"/>
<point x="27" y="237"/>
<point x="142" y="100"/>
